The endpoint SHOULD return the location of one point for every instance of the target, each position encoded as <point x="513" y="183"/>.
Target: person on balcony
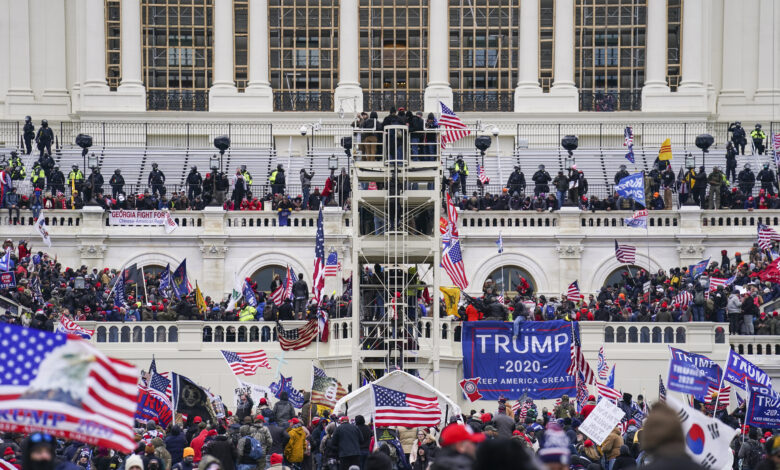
<point x="716" y="181"/>
<point x="194" y="183"/>
<point x="768" y="180"/>
<point x="156" y="180"/>
<point x="541" y="181"/>
<point x="758" y="137"/>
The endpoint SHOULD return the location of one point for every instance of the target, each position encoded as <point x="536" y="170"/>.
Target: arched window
<point x="621" y="335"/>
<point x="616" y="276"/>
<point x="125" y="334"/>
<point x="680" y="335"/>
<point x="720" y="335"/>
<point x="264" y="275"/>
<point x="113" y="334"/>
<point x="633" y="335"/>
<point x="219" y="335"/>
<point x="242" y="334"/>
<point x="508" y="278"/>
<point x="668" y="335"/>
<point x="161" y="334"/>
<point x="101" y="334"/>
<point x="173" y="335"/>
<point x="254" y="334"/>
<point x="609" y="335"/>
<point x="656" y="334"/>
<point x="207" y="334"/>
<point x="137" y="334"/>
<point x="644" y="335"/>
<point x="153" y="269"/>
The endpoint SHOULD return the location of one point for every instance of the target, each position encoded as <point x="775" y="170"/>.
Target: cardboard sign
<point x="601" y="421"/>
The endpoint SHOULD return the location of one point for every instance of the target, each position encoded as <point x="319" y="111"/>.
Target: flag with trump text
<point x="284" y="384"/>
<point x="454" y="128"/>
<point x="67" y="388"/>
<point x="70" y="327"/>
<point x="246" y="363"/>
<point x="325" y="390"/>
<point x="396" y="408"/>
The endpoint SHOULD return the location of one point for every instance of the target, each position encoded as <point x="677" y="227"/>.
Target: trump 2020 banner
<point x="739" y="370"/>
<point x="691" y="373"/>
<point x="763" y="411"/>
<point x="153" y="405"/>
<point x="534" y="363"/>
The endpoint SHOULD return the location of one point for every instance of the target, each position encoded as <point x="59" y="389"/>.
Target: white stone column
<point x="692" y="45"/>
<point x="655" y="92"/>
<point x="767" y="95"/>
<point x="131" y="91"/>
<point x="223" y="87"/>
<point x="259" y="86"/>
<point x="732" y="91"/>
<point x="18" y="35"/>
<point x="563" y="89"/>
<point x="438" y="88"/>
<point x="528" y="54"/>
<point x="349" y="95"/>
<point x="95" y="47"/>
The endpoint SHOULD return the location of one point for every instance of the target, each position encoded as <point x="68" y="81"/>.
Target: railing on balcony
<point x="177" y="100"/>
<point x="487" y="101"/>
<point x="607" y="101"/>
<point x="382" y="101"/>
<point x="303" y="101"/>
<point x="760" y="345"/>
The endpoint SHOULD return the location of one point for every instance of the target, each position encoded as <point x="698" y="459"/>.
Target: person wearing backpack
<point x="751" y="452"/>
<point x="251" y="455"/>
<point x="698" y="304"/>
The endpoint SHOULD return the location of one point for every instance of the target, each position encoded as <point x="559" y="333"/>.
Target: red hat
<point x="591" y="398"/>
<point x="768" y="434"/>
<point x="455" y="433"/>
<point x="763" y="315"/>
<point x="8" y="451"/>
<point x="515" y="432"/>
<point x="230" y="413"/>
<point x="588" y="443"/>
<point x="344" y="419"/>
<point x="631" y="421"/>
<point x="294" y="421"/>
<point x="263" y="401"/>
<point x="260" y="418"/>
<point x="486" y="417"/>
<point x="197" y="419"/>
<point x="276" y="459"/>
<point x="774" y="314"/>
<point x="664" y="305"/>
<point x="315" y="420"/>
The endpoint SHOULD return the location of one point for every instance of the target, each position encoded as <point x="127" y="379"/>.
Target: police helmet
<point x="738" y="123"/>
<point x="56" y="168"/>
<point x="766" y="165"/>
<point x="243" y="167"/>
<point x="194" y="168"/>
<point x="75" y="167"/>
<point x="758" y="126"/>
<point x="278" y="167"/>
<point x="45" y="123"/>
<point x="747" y="166"/>
<point x="541" y="167"/>
<point x="117" y="171"/>
<point x="622" y="167"/>
<point x="27" y="119"/>
<point x="154" y="165"/>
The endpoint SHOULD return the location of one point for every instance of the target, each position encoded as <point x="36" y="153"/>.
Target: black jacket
<point x="347" y="438"/>
<point x="300" y="289"/>
<point x="117" y="180"/>
<point x="224" y="450"/>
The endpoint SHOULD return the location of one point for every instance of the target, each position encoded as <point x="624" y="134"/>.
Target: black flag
<point x="190" y="399"/>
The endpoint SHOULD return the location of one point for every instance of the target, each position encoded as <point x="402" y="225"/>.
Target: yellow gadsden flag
<point x="451" y="299"/>
<point x="666" y="150"/>
<point x="199" y="299"/>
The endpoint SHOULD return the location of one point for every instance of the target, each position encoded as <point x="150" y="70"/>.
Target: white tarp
<point x="360" y="402"/>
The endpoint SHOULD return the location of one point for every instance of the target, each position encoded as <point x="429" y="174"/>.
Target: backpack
<point x="698" y="299"/>
<point x="755" y="455"/>
<point x="549" y="312"/>
<point x="255" y="449"/>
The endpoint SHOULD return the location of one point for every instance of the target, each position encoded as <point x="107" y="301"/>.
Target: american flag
<point x="578" y="362"/>
<point x="319" y="260"/>
<point x="776" y="142"/>
<point x="573" y="293"/>
<point x="452" y="261"/>
<point x="278" y="295"/>
<point x="297" y="338"/>
<point x="716" y="282"/>
<point x="288" y="282"/>
<point x="683" y="298"/>
<point x="450" y="230"/>
<point x="766" y="235"/>
<point x="332" y="265"/>
<point x="160" y="384"/>
<point x="166" y="375"/>
<point x="246" y="363"/>
<point x="50" y="374"/>
<point x="661" y="389"/>
<point x="625" y="253"/>
<point x="608" y="392"/>
<point x="582" y="391"/>
<point x="602" y="367"/>
<point x="394" y="408"/>
<point x="70" y="327"/>
<point x="723" y="396"/>
<point x="483" y="178"/>
<point x="5" y="465"/>
<point x="523" y="412"/>
<point x="325" y="390"/>
<point x="454" y="127"/>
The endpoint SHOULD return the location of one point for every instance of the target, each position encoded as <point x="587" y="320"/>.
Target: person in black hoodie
<point x="222" y="449"/>
<point x="175" y="442"/>
<point x="366" y="432"/>
<point x="347" y="439"/>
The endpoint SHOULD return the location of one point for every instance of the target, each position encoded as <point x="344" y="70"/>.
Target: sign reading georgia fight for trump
<point x="534" y="363"/>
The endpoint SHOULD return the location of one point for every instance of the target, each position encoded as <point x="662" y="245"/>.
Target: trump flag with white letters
<point x="62" y="385"/>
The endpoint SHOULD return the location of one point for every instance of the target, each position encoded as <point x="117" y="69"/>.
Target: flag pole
<point x="373" y="415"/>
<point x="143" y="279"/>
<point x="312" y="391"/>
<point x="747" y="407"/>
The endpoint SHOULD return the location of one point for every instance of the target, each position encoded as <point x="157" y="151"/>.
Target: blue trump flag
<point x="285" y="385"/>
<point x="692" y="373"/>
<point x="698" y="268"/>
<point x="165" y="281"/>
<point x="763" y="411"/>
<point x="738" y="369"/>
<point x="249" y="294"/>
<point x="179" y="280"/>
<point x="632" y="187"/>
<point x="535" y="363"/>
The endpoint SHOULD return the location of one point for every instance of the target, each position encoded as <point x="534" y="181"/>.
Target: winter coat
<point x="611" y="445"/>
<point x="175" y="443"/>
<point x="224" y="450"/>
<point x="449" y="459"/>
<point x="279" y="438"/>
<point x="505" y="425"/>
<point x="347" y="439"/>
<point x="407" y="436"/>
<point x="161" y="452"/>
<point x="262" y="435"/>
<point x="283" y="412"/>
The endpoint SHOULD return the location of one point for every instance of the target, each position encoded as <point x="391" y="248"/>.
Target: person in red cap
<point x="459" y="446"/>
<point x="276" y="462"/>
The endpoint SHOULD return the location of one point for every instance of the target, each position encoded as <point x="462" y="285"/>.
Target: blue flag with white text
<point x="632" y="187"/>
<point x="285" y="385"/>
<point x="249" y="294"/>
<point x="699" y="268"/>
<point x="165" y="281"/>
<point x="692" y="373"/>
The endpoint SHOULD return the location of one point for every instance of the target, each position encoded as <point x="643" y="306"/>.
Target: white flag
<point x="40" y="227"/>
<point x="706" y="439"/>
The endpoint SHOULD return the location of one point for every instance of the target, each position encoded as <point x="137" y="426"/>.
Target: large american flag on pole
<point x="70" y="327"/>
<point x="319" y="260"/>
<point x="578" y="362"/>
<point x="625" y="253"/>
<point x="608" y="392"/>
<point x="246" y="363"/>
<point x="297" y="338"/>
<point x="766" y="235"/>
<point x="64" y="386"/>
<point x="452" y="262"/>
<point x="723" y="396"/>
<point x="683" y="298"/>
<point x="453" y="126"/>
<point x="661" y="389"/>
<point x="394" y="408"/>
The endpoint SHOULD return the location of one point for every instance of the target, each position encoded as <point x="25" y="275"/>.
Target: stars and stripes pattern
<point x="683" y="298"/>
<point x="395" y="408"/>
<point x="34" y="380"/>
<point x="452" y="262"/>
<point x="716" y="282"/>
<point x="5" y="465"/>
<point x="608" y="392"/>
<point x="297" y="338"/>
<point x="776" y="142"/>
<point x="325" y="390"/>
<point x="661" y="389"/>
<point x="573" y="292"/>
<point x="278" y="295"/>
<point x="319" y="260"/>
<point x="166" y="375"/>
<point x="289" y="280"/>
<point x="332" y="265"/>
<point x="628" y="142"/>
<point x="578" y="362"/>
<point x="582" y="392"/>
<point x="625" y="254"/>
<point x="601" y="366"/>
<point x="483" y="178"/>
<point x="723" y="396"/>
<point x="70" y="327"/>
<point x="766" y="235"/>
<point x="246" y="363"/>
<point x="454" y="128"/>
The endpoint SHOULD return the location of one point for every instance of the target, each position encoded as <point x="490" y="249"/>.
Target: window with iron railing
<point x="674" y="43"/>
<point x="113" y="10"/>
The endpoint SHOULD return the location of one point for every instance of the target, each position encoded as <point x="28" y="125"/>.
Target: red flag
<point x="771" y="273"/>
<point x="471" y="389"/>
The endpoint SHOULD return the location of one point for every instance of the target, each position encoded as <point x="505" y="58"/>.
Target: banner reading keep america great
<point x="534" y="363"/>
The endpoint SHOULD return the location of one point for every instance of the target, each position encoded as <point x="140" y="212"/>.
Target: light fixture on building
<point x="690" y="161"/>
<point x="214" y="162"/>
<point x="85" y="142"/>
<point x="333" y="162"/>
<point x="92" y="161"/>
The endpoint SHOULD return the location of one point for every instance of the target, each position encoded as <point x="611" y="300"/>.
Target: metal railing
<point x="303" y="101"/>
<point x="177" y="100"/>
<point x="382" y="101"/>
<point x="607" y="101"/>
<point x="175" y="134"/>
<point x="483" y="100"/>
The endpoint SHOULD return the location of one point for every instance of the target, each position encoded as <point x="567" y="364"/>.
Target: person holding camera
<point x="738" y="136"/>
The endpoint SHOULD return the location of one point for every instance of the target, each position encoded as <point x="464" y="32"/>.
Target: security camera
<point x="303" y="130"/>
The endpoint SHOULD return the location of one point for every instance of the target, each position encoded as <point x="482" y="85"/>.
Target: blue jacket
<point x="175" y="445"/>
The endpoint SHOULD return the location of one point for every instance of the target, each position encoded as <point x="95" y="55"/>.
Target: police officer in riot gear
<point x="156" y="181"/>
<point x="94" y="184"/>
<point x="758" y="137"/>
<point x="463" y="172"/>
<point x="541" y="181"/>
<point x="117" y="183"/>
<point x="28" y="134"/>
<point x="38" y="177"/>
<point x="57" y="181"/>
<point x="44" y="138"/>
<point x="18" y="173"/>
<point x="194" y="182"/>
<point x="622" y="173"/>
<point x="76" y="178"/>
<point x="738" y="136"/>
<point x="516" y="183"/>
<point x="746" y="180"/>
<point x="277" y="180"/>
<point x="768" y="180"/>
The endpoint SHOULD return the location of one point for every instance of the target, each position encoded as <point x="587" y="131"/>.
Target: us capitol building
<point x="155" y="81"/>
